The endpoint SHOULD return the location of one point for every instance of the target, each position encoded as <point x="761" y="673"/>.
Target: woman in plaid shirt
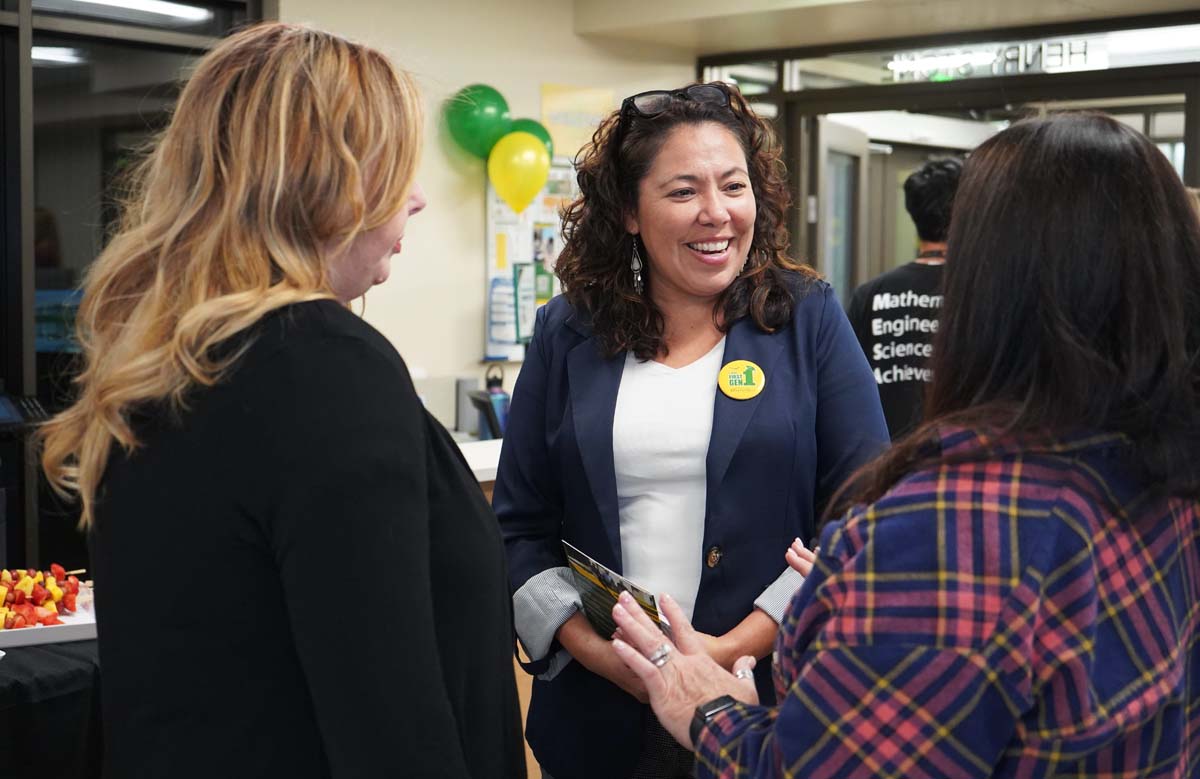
<point x="1016" y="590"/>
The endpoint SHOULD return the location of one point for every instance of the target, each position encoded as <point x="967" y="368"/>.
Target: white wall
<point x="432" y="308"/>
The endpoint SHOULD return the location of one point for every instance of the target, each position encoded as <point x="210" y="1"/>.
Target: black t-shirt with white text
<point x="895" y="317"/>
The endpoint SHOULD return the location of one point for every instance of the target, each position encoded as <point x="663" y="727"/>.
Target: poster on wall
<point x="521" y="252"/>
<point x="571" y="115"/>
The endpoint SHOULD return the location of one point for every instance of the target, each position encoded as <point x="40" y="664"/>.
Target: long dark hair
<point x="1072" y="302"/>
<point x="594" y="264"/>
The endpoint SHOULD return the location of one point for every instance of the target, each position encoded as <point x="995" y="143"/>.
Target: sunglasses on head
<point x="654" y="102"/>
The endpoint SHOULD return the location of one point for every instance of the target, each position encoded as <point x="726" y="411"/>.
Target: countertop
<point x="482" y="457"/>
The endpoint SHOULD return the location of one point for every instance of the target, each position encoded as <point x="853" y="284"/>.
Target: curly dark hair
<point x="929" y="197"/>
<point x="594" y="264"/>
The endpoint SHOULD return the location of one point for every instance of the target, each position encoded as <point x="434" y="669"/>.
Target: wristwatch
<point x="705" y="713"/>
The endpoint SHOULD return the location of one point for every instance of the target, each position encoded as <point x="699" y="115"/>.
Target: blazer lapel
<point x="594" y="383"/>
<point x="731" y="417"/>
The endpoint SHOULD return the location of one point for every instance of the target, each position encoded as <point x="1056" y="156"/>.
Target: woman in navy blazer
<point x="674" y="255"/>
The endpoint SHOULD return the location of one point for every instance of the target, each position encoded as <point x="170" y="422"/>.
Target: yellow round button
<point x="741" y="379"/>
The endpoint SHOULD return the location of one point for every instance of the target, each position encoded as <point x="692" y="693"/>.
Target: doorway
<point x="854" y="225"/>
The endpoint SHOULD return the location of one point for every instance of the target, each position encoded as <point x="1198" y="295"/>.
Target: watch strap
<point x="705" y="712"/>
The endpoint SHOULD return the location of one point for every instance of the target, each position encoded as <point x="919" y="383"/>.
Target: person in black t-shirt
<point x="895" y="315"/>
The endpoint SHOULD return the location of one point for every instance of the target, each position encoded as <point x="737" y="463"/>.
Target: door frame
<point x="829" y="136"/>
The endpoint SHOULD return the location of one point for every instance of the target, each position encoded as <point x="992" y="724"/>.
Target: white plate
<point x="80" y="626"/>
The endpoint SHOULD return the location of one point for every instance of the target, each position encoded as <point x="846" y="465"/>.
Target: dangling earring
<point x="364" y="305"/>
<point x="635" y="264"/>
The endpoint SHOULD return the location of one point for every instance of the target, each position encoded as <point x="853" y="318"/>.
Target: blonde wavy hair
<point x="285" y="145"/>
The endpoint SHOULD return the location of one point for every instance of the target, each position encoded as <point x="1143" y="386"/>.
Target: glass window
<point x="1166" y="124"/>
<point x="842" y="175"/>
<point x="1174" y="153"/>
<point x="842" y="70"/>
<point x="1136" y="121"/>
<point x="190" y="17"/>
<point x="94" y="105"/>
<point x="1093" y="51"/>
<point x="766" y="110"/>
<point x="752" y="78"/>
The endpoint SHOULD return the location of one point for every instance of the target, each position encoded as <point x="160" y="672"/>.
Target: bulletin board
<point x="521" y="252"/>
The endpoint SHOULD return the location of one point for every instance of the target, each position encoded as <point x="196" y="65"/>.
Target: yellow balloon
<point x="518" y="168"/>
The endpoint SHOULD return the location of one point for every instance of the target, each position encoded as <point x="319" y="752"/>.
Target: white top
<point x="661" y="428"/>
<point x="660" y="447"/>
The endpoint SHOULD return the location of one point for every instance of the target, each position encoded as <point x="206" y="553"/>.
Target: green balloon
<point x="478" y="117"/>
<point x="536" y="130"/>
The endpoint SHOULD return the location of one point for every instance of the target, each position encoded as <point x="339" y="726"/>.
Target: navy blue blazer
<point x="772" y="463"/>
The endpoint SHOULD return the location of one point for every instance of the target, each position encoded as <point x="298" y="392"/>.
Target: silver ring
<point x="661" y="655"/>
<point x="744" y="673"/>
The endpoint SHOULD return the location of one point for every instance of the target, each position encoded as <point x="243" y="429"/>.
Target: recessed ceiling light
<point x="188" y="13"/>
<point x="59" y="55"/>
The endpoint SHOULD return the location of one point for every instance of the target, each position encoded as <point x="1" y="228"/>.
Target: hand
<point x="688" y="678"/>
<point x="616" y="671"/>
<point x="716" y="646"/>
<point x="717" y="649"/>
<point x="587" y="647"/>
<point x="800" y="559"/>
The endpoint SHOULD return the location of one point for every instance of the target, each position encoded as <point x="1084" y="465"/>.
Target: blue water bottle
<point x="494" y="382"/>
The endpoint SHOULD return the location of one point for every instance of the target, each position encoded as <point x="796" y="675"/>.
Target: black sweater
<point x="299" y="577"/>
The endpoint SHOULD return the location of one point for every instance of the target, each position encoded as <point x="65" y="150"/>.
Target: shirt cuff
<point x="541" y="606"/>
<point x="775" y="599"/>
<point x="558" y="661"/>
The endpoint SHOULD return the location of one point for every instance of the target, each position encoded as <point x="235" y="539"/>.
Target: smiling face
<point x="695" y="214"/>
<point x="368" y="260"/>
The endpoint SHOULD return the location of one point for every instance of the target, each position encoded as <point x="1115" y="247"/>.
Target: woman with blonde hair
<point x="295" y="569"/>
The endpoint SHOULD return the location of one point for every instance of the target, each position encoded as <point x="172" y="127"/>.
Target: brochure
<point x="599" y="586"/>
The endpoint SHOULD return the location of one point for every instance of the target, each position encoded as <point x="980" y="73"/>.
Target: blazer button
<point x="714" y="556"/>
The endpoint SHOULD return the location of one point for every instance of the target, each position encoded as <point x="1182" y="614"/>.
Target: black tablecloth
<point x="50" y="712"/>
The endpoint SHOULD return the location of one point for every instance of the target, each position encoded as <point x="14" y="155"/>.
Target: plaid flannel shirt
<point x="1031" y="613"/>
